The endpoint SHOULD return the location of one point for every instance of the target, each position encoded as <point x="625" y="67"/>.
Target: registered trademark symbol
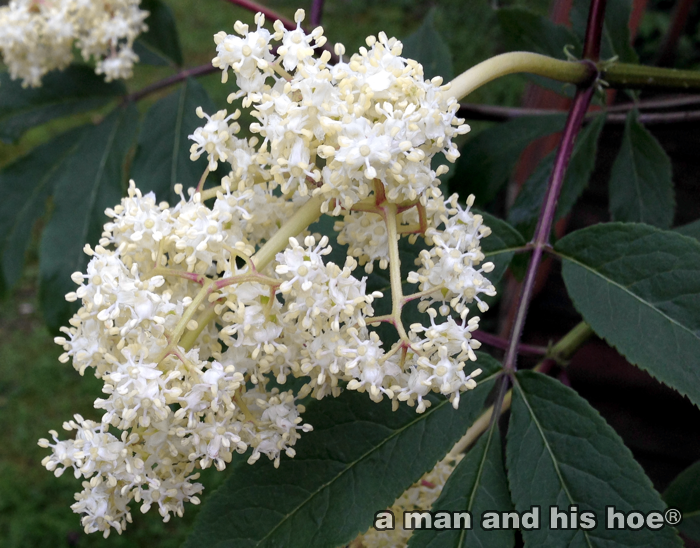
<point x="673" y="516"/>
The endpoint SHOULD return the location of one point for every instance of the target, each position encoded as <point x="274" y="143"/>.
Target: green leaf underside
<point x="359" y="458"/>
<point x="428" y="47"/>
<point x="90" y="180"/>
<point x="488" y="159"/>
<point x="75" y="89"/>
<point x="163" y="154"/>
<point x="641" y="184"/>
<point x="639" y="288"/>
<point x="684" y="494"/>
<point x="561" y="452"/>
<point x="526" y="209"/>
<point x="161" y="40"/>
<point x="477" y="485"/>
<point x="500" y="245"/>
<point x="25" y="186"/>
<point x="691" y="229"/>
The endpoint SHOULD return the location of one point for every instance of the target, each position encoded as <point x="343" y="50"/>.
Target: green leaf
<point x="76" y="89"/>
<point x="684" y="494"/>
<point x="500" y="245"/>
<point x="691" y="229"/>
<point x="25" y="186"/>
<point x="616" y="32"/>
<point x="522" y="29"/>
<point x="90" y="180"/>
<point x="477" y="485"/>
<point x="525" y="30"/>
<point x="160" y="45"/>
<point x="163" y="154"/>
<point x="359" y="458"/>
<point x="488" y="159"/>
<point x="641" y="185"/>
<point x="639" y="288"/>
<point x="428" y="47"/>
<point x="561" y="452"/>
<point x="526" y="209"/>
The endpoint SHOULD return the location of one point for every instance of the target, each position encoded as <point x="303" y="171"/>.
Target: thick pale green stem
<point x="574" y="72"/>
<point x="187" y="317"/>
<point x="302" y="218"/>
<point x="623" y="75"/>
<point x="394" y="268"/>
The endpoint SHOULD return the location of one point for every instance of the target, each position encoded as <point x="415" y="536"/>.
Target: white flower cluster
<point x="38" y="36"/>
<point x="419" y="497"/>
<point x="334" y="129"/>
<point x="194" y="316"/>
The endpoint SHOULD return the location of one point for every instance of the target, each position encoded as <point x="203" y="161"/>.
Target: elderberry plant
<point x="302" y="286"/>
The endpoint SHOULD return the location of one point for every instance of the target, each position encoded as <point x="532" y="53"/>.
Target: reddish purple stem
<point x="499" y="342"/>
<point x="316" y="12"/>
<point x="594" y="30"/>
<point x="170" y="81"/>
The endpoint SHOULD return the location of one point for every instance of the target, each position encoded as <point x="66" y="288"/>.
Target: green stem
<point x="389" y="213"/>
<point x="302" y="218"/>
<point x="574" y="72"/>
<point x="564" y="348"/>
<point x="188" y="339"/>
<point x="624" y="75"/>
<point x="186" y="317"/>
<point x="571" y="342"/>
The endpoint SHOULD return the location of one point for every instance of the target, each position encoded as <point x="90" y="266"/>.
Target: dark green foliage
<point x="526" y="209"/>
<point x="500" y="245"/>
<point x="488" y="159"/>
<point x="90" y="180"/>
<point x="684" y="494"/>
<point x="76" y="89"/>
<point x="527" y="31"/>
<point x="561" y="452"/>
<point x="641" y="185"/>
<point x="638" y="287"/>
<point x="163" y="154"/>
<point x="25" y="186"/>
<point x="428" y="47"/>
<point x="359" y="458"/>
<point x="691" y="229"/>
<point x="160" y="45"/>
<point x="478" y="484"/>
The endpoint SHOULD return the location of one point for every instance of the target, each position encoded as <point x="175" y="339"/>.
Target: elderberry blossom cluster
<point x="195" y="316"/>
<point x="38" y="36"/>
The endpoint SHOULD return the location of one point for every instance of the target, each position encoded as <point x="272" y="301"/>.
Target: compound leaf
<point x="90" y="180"/>
<point x="160" y="45"/>
<point x="638" y="287"/>
<point x="525" y="211"/>
<point x="641" y="184"/>
<point x="478" y="484"/>
<point x="684" y="494"/>
<point x="62" y="93"/>
<point x="163" y="154"/>
<point x="428" y="47"/>
<point x="488" y="159"/>
<point x="561" y="452"/>
<point x="25" y="186"/>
